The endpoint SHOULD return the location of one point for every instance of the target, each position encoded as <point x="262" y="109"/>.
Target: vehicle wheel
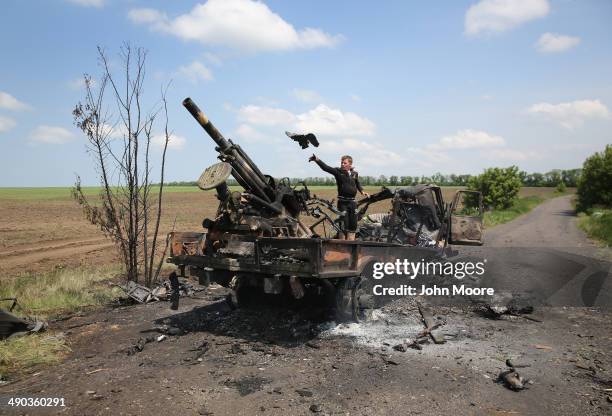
<point x="354" y="300"/>
<point x="343" y="307"/>
<point x="236" y="298"/>
<point x="364" y="301"/>
<point x="232" y="300"/>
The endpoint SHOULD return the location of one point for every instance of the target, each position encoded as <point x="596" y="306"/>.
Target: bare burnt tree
<point x="120" y="135"/>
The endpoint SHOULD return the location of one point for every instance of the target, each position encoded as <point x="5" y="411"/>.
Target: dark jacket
<point x="347" y="182"/>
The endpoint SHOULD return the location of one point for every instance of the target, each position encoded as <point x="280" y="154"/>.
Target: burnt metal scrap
<point x="257" y="240"/>
<point x="163" y="291"/>
<point x="512" y="379"/>
<point x="12" y="326"/>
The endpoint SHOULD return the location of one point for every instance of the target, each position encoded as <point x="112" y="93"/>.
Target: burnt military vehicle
<point x="258" y="241"/>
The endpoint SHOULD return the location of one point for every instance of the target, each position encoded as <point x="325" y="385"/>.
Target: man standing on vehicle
<point x="347" y="181"/>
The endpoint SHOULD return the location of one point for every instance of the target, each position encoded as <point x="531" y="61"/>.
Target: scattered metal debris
<point x="139" y="293"/>
<point x="507" y="305"/>
<point x="512" y="379"/>
<point x="12" y="326"/>
<point x="163" y="291"/>
<point x="139" y="345"/>
<point x="201" y="349"/>
<point x="431" y="325"/>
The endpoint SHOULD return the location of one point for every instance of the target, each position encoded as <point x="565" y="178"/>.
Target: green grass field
<point x="59" y="193"/>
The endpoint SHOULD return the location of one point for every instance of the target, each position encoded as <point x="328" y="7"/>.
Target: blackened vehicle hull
<point x="340" y="267"/>
<point x="307" y="258"/>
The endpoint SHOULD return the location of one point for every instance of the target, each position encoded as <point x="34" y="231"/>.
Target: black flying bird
<point x="304" y="139"/>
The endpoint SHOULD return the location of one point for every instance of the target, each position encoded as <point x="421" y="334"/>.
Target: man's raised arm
<point x="322" y="165"/>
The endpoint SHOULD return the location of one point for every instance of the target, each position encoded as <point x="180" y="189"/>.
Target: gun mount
<point x="267" y="207"/>
<point x="257" y="243"/>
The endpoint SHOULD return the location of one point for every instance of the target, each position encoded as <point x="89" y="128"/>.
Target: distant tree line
<point x="549" y="179"/>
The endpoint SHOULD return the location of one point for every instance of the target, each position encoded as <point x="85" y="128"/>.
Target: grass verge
<point x="60" y="291"/>
<point x="46" y="295"/>
<point x="31" y="350"/>
<point x="598" y="225"/>
<point x="520" y="207"/>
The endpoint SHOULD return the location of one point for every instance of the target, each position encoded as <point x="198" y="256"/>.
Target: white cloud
<point x="468" y="139"/>
<point x="88" y="3"/>
<point x="321" y="120"/>
<point x="250" y="134"/>
<point x="325" y="120"/>
<point x="355" y="98"/>
<point x="571" y="114"/>
<point x="307" y="96"/>
<point x="554" y="43"/>
<point x="266" y="116"/>
<point x="502" y="15"/>
<point x="175" y="142"/>
<point x="8" y="102"/>
<point x="195" y="72"/>
<point x="240" y="24"/>
<point x="213" y="59"/>
<point x="117" y="132"/>
<point x="365" y="154"/>
<point x="51" y="135"/>
<point x="151" y="16"/>
<point x="6" y="124"/>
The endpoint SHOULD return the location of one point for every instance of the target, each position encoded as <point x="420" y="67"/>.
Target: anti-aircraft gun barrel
<point x="246" y="173"/>
<point x="206" y="124"/>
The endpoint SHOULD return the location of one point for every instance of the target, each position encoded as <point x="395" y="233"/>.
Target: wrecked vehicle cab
<point x="420" y="217"/>
<point x="257" y="242"/>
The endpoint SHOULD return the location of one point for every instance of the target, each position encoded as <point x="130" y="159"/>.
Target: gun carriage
<point x="257" y="241"/>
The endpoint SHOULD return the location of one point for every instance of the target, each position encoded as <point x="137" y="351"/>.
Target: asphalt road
<point x="544" y="256"/>
<point x="551" y="224"/>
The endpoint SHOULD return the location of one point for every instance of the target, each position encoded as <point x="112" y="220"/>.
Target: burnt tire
<point x="355" y="301"/>
<point x="364" y="302"/>
<point x="344" y="300"/>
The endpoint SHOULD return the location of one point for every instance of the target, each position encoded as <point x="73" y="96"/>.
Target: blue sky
<point x="407" y="88"/>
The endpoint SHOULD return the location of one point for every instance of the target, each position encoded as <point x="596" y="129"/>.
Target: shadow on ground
<point x="271" y="323"/>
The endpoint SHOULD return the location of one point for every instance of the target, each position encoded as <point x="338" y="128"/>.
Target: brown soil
<point x="40" y="235"/>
